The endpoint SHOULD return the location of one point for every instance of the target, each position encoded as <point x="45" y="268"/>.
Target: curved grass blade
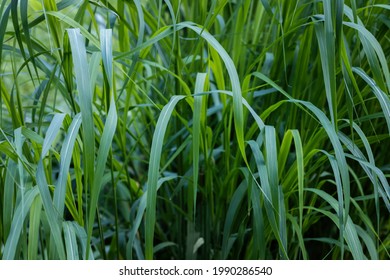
<point x="332" y="134"/>
<point x="351" y="236"/>
<point x="75" y="26"/>
<point x="153" y="172"/>
<point x="370" y="245"/>
<point x="234" y="79"/>
<point x="53" y="217"/>
<point x="373" y="51"/>
<point x="66" y="156"/>
<point x="271" y="203"/>
<point x="17" y="223"/>
<point x="383" y="99"/>
<point x="52" y="133"/>
<point x="82" y="237"/>
<point x="298" y="231"/>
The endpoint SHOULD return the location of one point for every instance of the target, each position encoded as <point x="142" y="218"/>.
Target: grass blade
<point x="351" y="236"/>
<point x="70" y="241"/>
<point x="105" y="146"/>
<point x="196" y="138"/>
<point x="85" y="96"/>
<point x="34" y="226"/>
<point x="153" y="172"/>
<point x="17" y="223"/>
<point x="66" y="155"/>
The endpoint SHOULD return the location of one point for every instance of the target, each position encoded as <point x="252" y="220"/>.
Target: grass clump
<point x="200" y="130"/>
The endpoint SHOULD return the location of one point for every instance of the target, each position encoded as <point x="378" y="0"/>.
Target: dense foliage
<point x="208" y="129"/>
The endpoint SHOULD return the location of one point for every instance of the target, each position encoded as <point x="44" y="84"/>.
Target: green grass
<point x="194" y="129"/>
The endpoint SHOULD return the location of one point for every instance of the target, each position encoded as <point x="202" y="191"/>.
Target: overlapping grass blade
<point x="34" y="227"/>
<point x="230" y="216"/>
<point x="153" y="172"/>
<point x="326" y="42"/>
<point x="82" y="237"/>
<point x="137" y="221"/>
<point x="300" y="173"/>
<point x="271" y="202"/>
<point x="17" y="223"/>
<point x="235" y="83"/>
<point x="52" y="214"/>
<point x="350" y="236"/>
<point x="258" y="225"/>
<point x="302" y="67"/>
<point x="66" y="156"/>
<point x="104" y="148"/>
<point x="373" y="51"/>
<point x="85" y="96"/>
<point x="70" y="241"/>
<point x="328" y="127"/>
<point x="196" y="139"/>
<point x="383" y="98"/>
<point x="105" y="143"/>
<point x="8" y="201"/>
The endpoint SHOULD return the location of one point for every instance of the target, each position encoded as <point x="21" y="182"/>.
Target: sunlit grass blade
<point x="55" y="25"/>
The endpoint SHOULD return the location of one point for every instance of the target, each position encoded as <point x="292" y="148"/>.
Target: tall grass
<point x="194" y="129"/>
